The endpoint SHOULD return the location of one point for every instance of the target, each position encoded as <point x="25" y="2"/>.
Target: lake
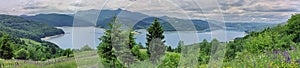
<point x="76" y="37"/>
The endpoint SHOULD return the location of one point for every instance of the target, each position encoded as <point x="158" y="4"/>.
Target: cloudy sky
<point x="275" y="11"/>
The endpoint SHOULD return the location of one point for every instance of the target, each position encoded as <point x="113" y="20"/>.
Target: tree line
<point x="279" y="38"/>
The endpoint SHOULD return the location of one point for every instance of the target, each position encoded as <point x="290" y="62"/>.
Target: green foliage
<point x="156" y="50"/>
<point x="205" y="51"/>
<point x="41" y="51"/>
<point x="171" y="60"/>
<point x="27" y="49"/>
<point x="169" y="49"/>
<point x="68" y="52"/>
<point x="132" y="42"/>
<point x="22" y="28"/>
<point x="86" y="48"/>
<point x="22" y="54"/>
<point x="20" y="33"/>
<point x="155" y="33"/>
<point x="6" y="47"/>
<point x="178" y="49"/>
<point x="106" y="49"/>
<point x="281" y="37"/>
<point x="144" y="54"/>
<point x="136" y="52"/>
<point x="272" y="59"/>
<point x="294" y="27"/>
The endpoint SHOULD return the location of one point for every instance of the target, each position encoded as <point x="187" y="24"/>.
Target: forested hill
<point x="21" y="28"/>
<point x="281" y="37"/>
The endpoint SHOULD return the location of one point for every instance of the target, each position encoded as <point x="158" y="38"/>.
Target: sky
<point x="272" y="11"/>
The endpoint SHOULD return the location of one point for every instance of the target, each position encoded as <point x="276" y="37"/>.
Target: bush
<point x="86" y="48"/>
<point x="171" y="60"/>
<point x="136" y="52"/>
<point x="22" y="54"/>
<point x="144" y="54"/>
<point x="68" y="52"/>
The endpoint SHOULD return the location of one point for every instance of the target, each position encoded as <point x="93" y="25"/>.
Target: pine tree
<point x="105" y="48"/>
<point x="132" y="42"/>
<point x="169" y="48"/>
<point x="180" y="44"/>
<point x="155" y="42"/>
<point x="6" y="47"/>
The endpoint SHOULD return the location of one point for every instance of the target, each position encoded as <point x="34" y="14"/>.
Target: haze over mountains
<point x="137" y="21"/>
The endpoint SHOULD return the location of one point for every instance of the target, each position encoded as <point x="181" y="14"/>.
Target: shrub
<point x="136" y="52"/>
<point x="22" y="54"/>
<point x="171" y="60"/>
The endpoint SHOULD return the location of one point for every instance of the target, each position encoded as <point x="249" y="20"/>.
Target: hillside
<point x="22" y="28"/>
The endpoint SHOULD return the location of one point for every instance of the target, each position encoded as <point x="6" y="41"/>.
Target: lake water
<point x="76" y="37"/>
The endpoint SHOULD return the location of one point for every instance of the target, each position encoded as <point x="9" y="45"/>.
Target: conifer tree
<point x="155" y="41"/>
<point x="105" y="48"/>
<point x="180" y="44"/>
<point x="132" y="42"/>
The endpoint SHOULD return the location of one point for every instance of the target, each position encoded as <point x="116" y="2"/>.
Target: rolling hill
<point x="22" y="28"/>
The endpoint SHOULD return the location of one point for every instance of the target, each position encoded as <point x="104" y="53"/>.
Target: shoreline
<point x="51" y="37"/>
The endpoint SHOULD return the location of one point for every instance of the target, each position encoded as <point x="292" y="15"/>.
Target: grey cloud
<point x="34" y="7"/>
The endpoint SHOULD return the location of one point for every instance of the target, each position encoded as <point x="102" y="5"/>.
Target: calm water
<point x="76" y="37"/>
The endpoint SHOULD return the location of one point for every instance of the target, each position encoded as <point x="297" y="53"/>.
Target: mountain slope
<point x="22" y="28"/>
<point x="135" y="20"/>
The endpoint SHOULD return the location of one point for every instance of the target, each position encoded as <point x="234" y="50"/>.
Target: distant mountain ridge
<point x="128" y="18"/>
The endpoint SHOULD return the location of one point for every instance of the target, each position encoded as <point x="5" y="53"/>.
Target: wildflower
<point x="287" y="56"/>
<point x="276" y="52"/>
<point x="292" y="48"/>
<point x="288" y="60"/>
<point x="298" y="61"/>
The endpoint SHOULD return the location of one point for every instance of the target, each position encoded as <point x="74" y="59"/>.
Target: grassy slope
<point x="84" y="59"/>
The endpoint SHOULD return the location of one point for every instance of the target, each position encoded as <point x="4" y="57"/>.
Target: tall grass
<point x="268" y="59"/>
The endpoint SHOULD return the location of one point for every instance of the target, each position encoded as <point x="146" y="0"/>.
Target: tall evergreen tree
<point x="105" y="48"/>
<point x="155" y="42"/>
<point x="6" y="47"/>
<point x="132" y="42"/>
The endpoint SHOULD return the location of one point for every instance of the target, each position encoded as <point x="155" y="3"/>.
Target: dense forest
<point x="21" y="39"/>
<point x="22" y="28"/>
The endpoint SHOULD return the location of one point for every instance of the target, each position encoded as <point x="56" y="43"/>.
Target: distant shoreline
<point x="51" y="37"/>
